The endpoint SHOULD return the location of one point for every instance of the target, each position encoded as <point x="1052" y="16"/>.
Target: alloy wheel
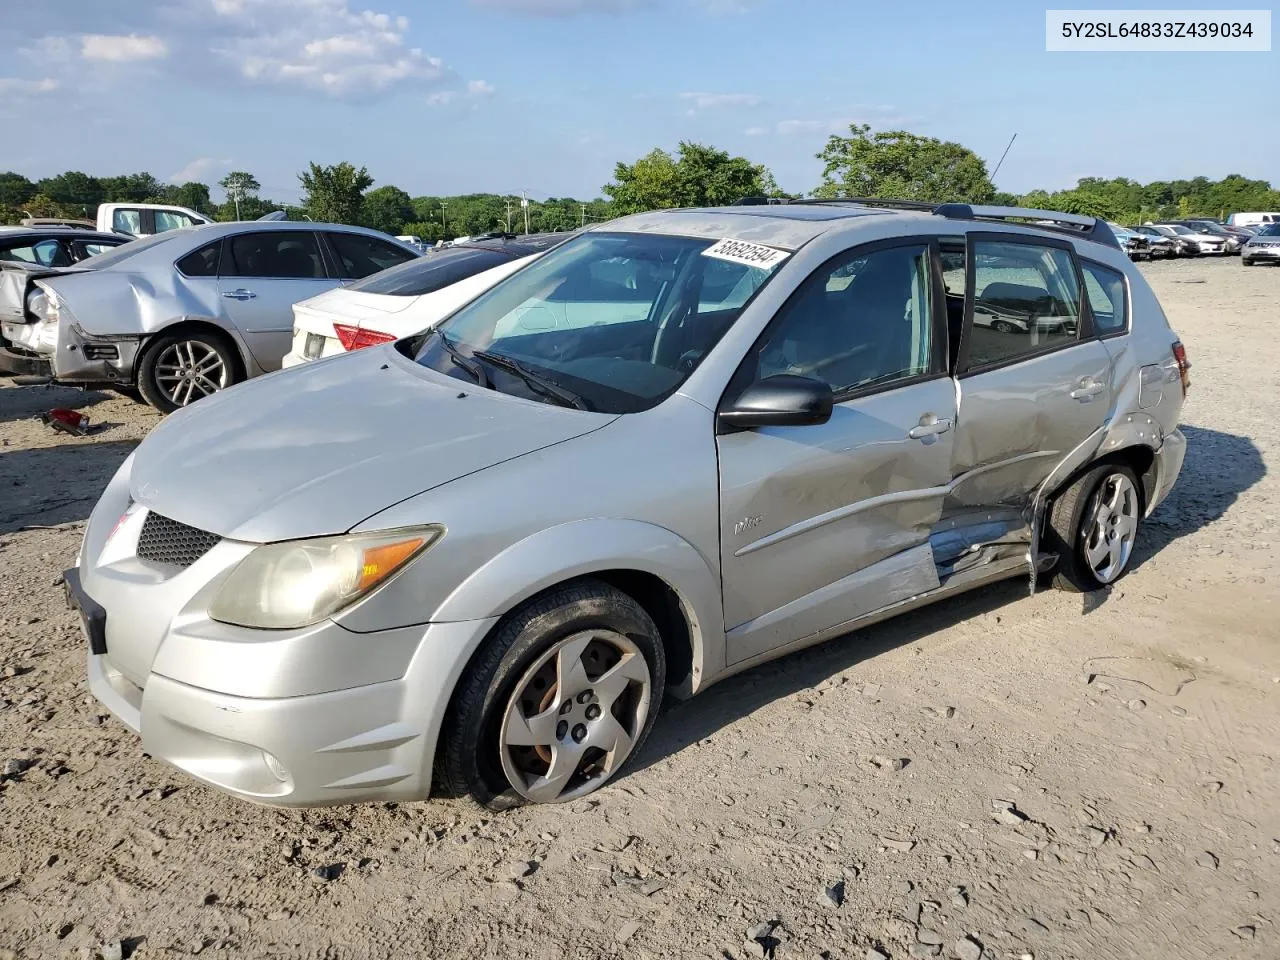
<point x="188" y="370"/>
<point x="574" y="716"/>
<point x="1110" y="532"/>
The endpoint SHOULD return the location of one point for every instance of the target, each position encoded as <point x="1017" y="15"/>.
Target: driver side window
<point x="861" y="320"/>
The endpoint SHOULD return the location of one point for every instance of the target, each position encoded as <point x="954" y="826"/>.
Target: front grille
<point x="167" y="541"/>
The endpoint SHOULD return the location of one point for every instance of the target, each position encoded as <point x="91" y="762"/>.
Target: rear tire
<point x="1092" y="526"/>
<point x="560" y="697"/>
<point x="177" y="369"/>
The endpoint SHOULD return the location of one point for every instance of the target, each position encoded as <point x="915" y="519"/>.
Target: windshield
<point x="433" y="272"/>
<point x="1181" y="231"/>
<point x="618" y="321"/>
<point x="1206" y="227"/>
<point x="129" y="249"/>
<point x="1270" y="230"/>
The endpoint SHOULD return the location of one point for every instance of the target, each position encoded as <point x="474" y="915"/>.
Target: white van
<point x="1252" y="219"/>
<point x="146" y="219"/>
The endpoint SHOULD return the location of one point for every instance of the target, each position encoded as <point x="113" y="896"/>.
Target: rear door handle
<point x="930" y="429"/>
<point x="1087" y="389"/>
<point x="240" y="294"/>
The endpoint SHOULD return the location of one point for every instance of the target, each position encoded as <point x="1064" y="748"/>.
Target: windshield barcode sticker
<point x="748" y="254"/>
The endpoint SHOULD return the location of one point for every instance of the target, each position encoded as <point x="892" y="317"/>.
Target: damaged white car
<point x="182" y="314"/>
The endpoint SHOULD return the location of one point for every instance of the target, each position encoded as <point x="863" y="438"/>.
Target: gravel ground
<point x="1083" y="778"/>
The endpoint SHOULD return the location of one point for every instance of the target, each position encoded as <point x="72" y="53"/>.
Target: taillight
<point x="1184" y="365"/>
<point x="356" y="338"/>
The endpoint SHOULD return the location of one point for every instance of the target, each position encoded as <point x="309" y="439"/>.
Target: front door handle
<point x="1088" y="389"/>
<point x="929" y="426"/>
<point x="241" y="294"/>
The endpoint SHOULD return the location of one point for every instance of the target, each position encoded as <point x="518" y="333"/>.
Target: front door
<point x="1033" y="386"/>
<point x="261" y="276"/>
<point x="824" y="524"/>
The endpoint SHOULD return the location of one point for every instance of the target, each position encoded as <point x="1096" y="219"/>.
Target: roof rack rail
<point x="1092" y="228"/>
<point x="758" y="201"/>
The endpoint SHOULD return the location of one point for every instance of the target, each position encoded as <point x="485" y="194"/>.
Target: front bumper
<point x="1260" y="254"/>
<point x="371" y="742"/>
<point x="24" y="364"/>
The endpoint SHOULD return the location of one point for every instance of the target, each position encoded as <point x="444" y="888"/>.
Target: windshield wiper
<point x="540" y="384"/>
<point x="473" y="368"/>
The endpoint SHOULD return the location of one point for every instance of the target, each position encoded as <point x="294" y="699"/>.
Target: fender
<point x="583" y="547"/>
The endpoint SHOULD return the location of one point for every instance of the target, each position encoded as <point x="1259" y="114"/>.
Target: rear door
<point x="1034" y="381"/>
<point x="823" y="524"/>
<point x="261" y="276"/>
<point x="355" y="256"/>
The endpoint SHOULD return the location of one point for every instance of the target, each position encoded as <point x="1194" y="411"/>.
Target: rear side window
<point x="202" y="262"/>
<point x="127" y="221"/>
<point x="360" y="256"/>
<point x="1026" y="300"/>
<point x="433" y="272"/>
<point x="1107" y="301"/>
<point x="170" y="220"/>
<point x="277" y="254"/>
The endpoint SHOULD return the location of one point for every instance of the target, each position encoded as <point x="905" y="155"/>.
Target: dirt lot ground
<point x="1087" y="778"/>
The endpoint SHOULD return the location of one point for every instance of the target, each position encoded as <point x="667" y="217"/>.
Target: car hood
<point x="316" y="449"/>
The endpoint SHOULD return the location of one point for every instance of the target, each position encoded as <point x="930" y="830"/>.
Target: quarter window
<point x="202" y="262"/>
<point x="1105" y="289"/>
<point x="360" y="256"/>
<point x="279" y="254"/>
<point x="1026" y="301"/>
<point x="168" y="220"/>
<point x="859" y="321"/>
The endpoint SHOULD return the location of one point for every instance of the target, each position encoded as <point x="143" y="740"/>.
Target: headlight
<point x="41" y="306"/>
<point x="281" y="586"/>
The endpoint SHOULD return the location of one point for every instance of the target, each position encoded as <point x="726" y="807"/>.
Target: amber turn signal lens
<point x="380" y="562"/>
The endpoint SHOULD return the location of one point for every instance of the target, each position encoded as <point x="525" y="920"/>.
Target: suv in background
<point x="671" y="448"/>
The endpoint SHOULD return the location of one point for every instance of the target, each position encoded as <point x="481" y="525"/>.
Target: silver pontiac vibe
<point x="676" y="446"/>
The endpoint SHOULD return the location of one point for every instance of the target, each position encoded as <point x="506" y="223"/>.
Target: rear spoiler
<point x="1091" y="228"/>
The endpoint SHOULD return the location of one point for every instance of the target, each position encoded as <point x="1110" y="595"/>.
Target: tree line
<point x="892" y="164"/>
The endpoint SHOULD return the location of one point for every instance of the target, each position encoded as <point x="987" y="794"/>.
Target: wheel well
<point x="203" y="326"/>
<point x="663" y="606"/>
<point x="1142" y="461"/>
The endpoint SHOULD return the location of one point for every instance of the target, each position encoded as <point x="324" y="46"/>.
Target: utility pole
<point x="509" y="202"/>
<point x="524" y="202"/>
<point x="444" y="222"/>
<point x="584" y="217"/>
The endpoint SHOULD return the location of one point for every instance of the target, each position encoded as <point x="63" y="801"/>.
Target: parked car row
<point x="1182" y="238"/>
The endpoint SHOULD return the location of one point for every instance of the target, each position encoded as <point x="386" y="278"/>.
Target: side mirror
<point x="785" y="400"/>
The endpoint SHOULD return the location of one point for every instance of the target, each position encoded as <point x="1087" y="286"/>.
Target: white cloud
<point x="710" y="101"/>
<point x="201" y="169"/>
<point x="562" y="8"/>
<point x="17" y="85"/>
<point x="49" y="50"/>
<point x="474" y="90"/>
<point x="122" y="49"/>
<point x="480" y="88"/>
<point x="756" y="131"/>
<point x="322" y="45"/>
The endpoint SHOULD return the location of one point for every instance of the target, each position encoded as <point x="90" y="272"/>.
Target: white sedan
<point x="409" y="298"/>
<point x="1206" y="243"/>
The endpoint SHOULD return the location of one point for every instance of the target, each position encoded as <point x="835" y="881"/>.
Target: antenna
<point x="1002" y="156"/>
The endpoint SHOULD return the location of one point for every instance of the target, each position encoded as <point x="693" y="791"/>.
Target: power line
<point x="1002" y="156"/>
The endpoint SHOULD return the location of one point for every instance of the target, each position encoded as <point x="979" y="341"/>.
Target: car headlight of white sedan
<point x="282" y="586"/>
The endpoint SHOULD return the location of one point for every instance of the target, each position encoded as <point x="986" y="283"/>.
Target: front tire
<point x="1093" y="526"/>
<point x="562" y="694"/>
<point x="177" y="369"/>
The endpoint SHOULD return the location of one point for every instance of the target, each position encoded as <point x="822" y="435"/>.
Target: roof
<point x="788" y="226"/>
<point x="55" y="232"/>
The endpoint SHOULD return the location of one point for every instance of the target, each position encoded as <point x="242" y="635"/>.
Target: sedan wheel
<point x="574" y="716"/>
<point x="177" y="369"/>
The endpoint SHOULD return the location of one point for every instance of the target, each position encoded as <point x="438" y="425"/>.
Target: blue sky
<point x="546" y="95"/>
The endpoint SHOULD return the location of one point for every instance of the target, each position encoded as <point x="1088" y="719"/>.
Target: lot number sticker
<point x="748" y="254"/>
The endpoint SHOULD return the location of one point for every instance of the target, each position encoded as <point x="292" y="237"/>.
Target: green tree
<point x="192" y="195"/>
<point x="131" y="188"/>
<point x="240" y="186"/>
<point x="78" y="191"/>
<point x="335" y="194"/>
<point x="15" y="189"/>
<point x="697" y="176"/>
<point x="900" y="165"/>
<point x="388" y="209"/>
<point x="1085" y="203"/>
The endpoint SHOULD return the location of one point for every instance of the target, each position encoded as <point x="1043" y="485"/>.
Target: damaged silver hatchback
<point x="678" y="445"/>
